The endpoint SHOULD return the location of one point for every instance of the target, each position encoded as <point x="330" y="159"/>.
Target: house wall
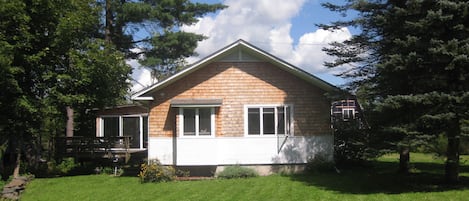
<point x="240" y="84"/>
<point x="239" y="150"/>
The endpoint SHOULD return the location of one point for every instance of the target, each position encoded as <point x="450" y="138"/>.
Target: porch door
<point x="131" y="127"/>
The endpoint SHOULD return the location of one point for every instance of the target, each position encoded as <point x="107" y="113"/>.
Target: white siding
<point x="238" y="150"/>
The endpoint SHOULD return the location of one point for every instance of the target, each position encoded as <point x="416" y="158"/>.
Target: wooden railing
<point x="107" y="147"/>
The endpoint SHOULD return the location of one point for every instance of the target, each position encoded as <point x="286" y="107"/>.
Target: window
<point x="197" y="121"/>
<point x="268" y="120"/>
<point x="348" y="114"/>
<point x="134" y="126"/>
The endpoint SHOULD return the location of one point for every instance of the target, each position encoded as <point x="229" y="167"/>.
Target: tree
<point x="51" y="57"/>
<point x="71" y="54"/>
<point x="153" y="27"/>
<point x="413" y="57"/>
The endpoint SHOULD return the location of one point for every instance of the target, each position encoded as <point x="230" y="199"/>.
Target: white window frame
<point x="121" y="126"/>
<point x="261" y="108"/>
<point x="197" y="134"/>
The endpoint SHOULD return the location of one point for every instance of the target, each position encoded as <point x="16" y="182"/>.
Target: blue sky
<point x="284" y="28"/>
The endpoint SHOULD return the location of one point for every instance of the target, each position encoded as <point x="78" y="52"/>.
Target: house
<point x="238" y="106"/>
<point x="345" y="110"/>
<point x="348" y="110"/>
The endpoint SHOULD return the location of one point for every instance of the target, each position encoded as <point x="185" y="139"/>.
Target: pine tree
<point x="153" y="27"/>
<point x="413" y="57"/>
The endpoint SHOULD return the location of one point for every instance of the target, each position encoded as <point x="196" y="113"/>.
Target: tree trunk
<point x="452" y="152"/>
<point x="404" y="159"/>
<point x="16" y="171"/>
<point x="69" y="129"/>
<point x="109" y="22"/>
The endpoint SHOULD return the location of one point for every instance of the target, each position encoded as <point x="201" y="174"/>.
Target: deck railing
<point x="93" y="147"/>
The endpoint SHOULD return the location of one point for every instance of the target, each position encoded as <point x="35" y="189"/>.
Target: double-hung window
<point x="197" y="121"/>
<point x="268" y="120"/>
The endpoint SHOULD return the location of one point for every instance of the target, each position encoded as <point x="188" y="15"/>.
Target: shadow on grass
<point x="381" y="177"/>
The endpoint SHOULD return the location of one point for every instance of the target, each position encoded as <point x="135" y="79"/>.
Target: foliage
<point x="319" y="163"/>
<point x="182" y="173"/>
<point x="109" y="171"/>
<point x="237" y="171"/>
<point x="154" y="171"/>
<point x="153" y="27"/>
<point x="412" y="57"/>
<point x="64" y="167"/>
<point x="71" y="53"/>
<point x="352" y="143"/>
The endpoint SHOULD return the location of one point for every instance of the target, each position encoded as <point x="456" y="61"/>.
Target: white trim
<point x="121" y="125"/>
<point x="261" y="108"/>
<point x="144" y="98"/>
<point x="197" y="118"/>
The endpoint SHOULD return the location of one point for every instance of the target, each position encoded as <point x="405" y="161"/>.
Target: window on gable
<point x="268" y="120"/>
<point x="197" y="121"/>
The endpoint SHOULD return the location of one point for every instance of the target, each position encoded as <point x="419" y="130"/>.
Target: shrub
<point x="51" y="168"/>
<point x="319" y="163"/>
<point x="154" y="171"/>
<point x="109" y="171"/>
<point x="183" y="173"/>
<point x="237" y="172"/>
<point x="351" y="143"/>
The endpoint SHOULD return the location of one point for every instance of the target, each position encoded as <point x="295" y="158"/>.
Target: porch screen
<point x="111" y="126"/>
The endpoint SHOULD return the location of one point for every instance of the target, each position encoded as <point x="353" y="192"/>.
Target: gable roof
<point x="238" y="46"/>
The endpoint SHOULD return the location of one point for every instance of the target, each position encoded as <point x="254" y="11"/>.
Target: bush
<point x="351" y="143"/>
<point x="319" y="163"/>
<point x="109" y="171"/>
<point x="51" y="168"/>
<point x="237" y="172"/>
<point x="154" y="171"/>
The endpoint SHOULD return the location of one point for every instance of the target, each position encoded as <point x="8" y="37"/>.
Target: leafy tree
<point x="51" y="58"/>
<point x="412" y="57"/>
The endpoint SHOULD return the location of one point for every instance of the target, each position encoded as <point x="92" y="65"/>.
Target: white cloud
<point x="141" y="77"/>
<point x="266" y="24"/>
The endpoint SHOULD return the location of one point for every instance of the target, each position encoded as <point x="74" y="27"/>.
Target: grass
<point x="376" y="182"/>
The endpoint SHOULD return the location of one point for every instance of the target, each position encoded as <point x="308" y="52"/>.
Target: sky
<point x="284" y="28"/>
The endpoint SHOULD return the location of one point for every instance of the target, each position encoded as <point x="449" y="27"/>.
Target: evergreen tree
<point x="153" y="27"/>
<point x="412" y="56"/>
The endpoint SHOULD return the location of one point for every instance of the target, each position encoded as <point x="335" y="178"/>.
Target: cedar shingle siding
<point x="239" y="84"/>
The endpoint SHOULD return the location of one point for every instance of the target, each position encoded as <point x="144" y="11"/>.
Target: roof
<point x="196" y="102"/>
<point x="239" y="45"/>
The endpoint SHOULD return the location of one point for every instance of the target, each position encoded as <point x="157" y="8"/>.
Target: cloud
<point x="266" y="24"/>
<point x="141" y="77"/>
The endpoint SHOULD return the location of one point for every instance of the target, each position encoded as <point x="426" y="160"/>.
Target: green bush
<point x="154" y="171"/>
<point x="109" y="171"/>
<point x="52" y="168"/>
<point x="183" y="173"/>
<point x="237" y="172"/>
<point x="319" y="163"/>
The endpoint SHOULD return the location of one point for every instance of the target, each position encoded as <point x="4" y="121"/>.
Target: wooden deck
<point x="95" y="147"/>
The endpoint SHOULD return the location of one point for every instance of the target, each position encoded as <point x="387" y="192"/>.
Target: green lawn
<point x="377" y="182"/>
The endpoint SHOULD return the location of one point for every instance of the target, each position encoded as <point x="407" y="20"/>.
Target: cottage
<point x="240" y="105"/>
